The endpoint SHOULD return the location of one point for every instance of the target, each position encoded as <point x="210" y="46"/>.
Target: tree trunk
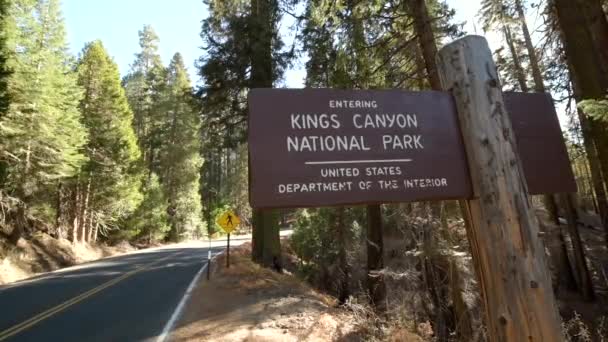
<point x="534" y="63"/>
<point x="59" y="213"/>
<point x="566" y="274"/>
<point x="420" y="68"/>
<point x="272" y="241"/>
<point x="585" y="282"/>
<point x="590" y="190"/>
<point x="426" y="37"/>
<point x="95" y="232"/>
<point x="90" y="228"/>
<point x="550" y="201"/>
<point x="266" y="241"/>
<point x="596" y="170"/>
<point x="595" y="19"/>
<point x="590" y="81"/>
<point x="375" y="258"/>
<point x="513" y="277"/>
<point x="76" y="213"/>
<point x="435" y="278"/>
<point x="85" y="211"/>
<point x="464" y="325"/>
<point x="19" y="224"/>
<point x="519" y="70"/>
<point x="344" y="276"/>
<point x="428" y="46"/>
<point x="585" y="62"/>
<point x="558" y="251"/>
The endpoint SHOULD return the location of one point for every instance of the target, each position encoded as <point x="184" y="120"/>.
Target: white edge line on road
<point x="182" y="303"/>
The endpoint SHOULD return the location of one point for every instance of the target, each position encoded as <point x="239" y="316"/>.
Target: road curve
<point x="124" y="298"/>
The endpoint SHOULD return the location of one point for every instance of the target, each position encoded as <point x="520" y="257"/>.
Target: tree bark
<point x="590" y="81"/>
<point x="95" y="232"/>
<point x="375" y="258"/>
<point x="59" y="213"/>
<point x="585" y="282"/>
<point x="19" y="224"/>
<point x="85" y="211"/>
<point x="90" y="228"/>
<point x="550" y="200"/>
<point x="519" y="70"/>
<point x="513" y="276"/>
<point x="437" y="285"/>
<point x="436" y="280"/>
<point x="464" y="325"/>
<point x="558" y="251"/>
<point x="420" y="68"/>
<point x="596" y="169"/>
<point x="566" y="274"/>
<point x="595" y="19"/>
<point x="272" y="241"/>
<point x="76" y="213"/>
<point x="534" y="63"/>
<point x="426" y="37"/>
<point x="590" y="192"/>
<point x="344" y="276"/>
<point x="266" y="241"/>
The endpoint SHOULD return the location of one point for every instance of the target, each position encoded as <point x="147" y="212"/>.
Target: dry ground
<point x="43" y="253"/>
<point x="248" y="303"/>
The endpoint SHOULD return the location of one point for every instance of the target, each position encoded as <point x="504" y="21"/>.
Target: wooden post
<point x="209" y="263"/>
<point x="228" y="252"/>
<point x="504" y="234"/>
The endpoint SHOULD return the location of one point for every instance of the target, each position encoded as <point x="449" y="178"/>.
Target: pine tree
<point x="501" y="15"/>
<point x="145" y="89"/>
<point x="224" y="69"/>
<point x="243" y="51"/>
<point x="4" y="55"/>
<point x="149" y="221"/>
<point x="4" y="74"/>
<point x="179" y="158"/>
<point x="41" y="136"/>
<point x="111" y="178"/>
<point x="144" y="86"/>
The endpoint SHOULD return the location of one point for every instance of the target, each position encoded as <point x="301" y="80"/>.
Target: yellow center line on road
<point x="58" y="308"/>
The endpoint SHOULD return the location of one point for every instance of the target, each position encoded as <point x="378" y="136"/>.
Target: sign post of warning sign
<point x="229" y="221"/>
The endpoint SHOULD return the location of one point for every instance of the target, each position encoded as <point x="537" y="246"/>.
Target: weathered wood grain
<point x="504" y="233"/>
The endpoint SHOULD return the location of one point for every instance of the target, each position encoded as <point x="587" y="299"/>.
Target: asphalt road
<point x="124" y="298"/>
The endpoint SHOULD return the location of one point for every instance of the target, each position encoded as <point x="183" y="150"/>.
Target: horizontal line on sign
<point x="358" y="161"/>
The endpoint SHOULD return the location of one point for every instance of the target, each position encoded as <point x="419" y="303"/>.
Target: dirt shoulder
<point x="42" y="253"/>
<point x="248" y="303"/>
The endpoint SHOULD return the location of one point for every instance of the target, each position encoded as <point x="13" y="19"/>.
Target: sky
<point x="178" y="24"/>
<point x="116" y="23"/>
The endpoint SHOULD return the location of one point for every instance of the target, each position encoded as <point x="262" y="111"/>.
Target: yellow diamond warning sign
<point x="228" y="221"/>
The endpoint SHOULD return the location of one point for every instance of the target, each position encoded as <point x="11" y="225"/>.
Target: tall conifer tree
<point x="144" y="85"/>
<point x="41" y="136"/>
<point x="179" y="158"/>
<point x="112" y="174"/>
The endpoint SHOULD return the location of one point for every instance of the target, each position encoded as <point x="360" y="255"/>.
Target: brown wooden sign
<point x="318" y="147"/>
<point x="540" y="143"/>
